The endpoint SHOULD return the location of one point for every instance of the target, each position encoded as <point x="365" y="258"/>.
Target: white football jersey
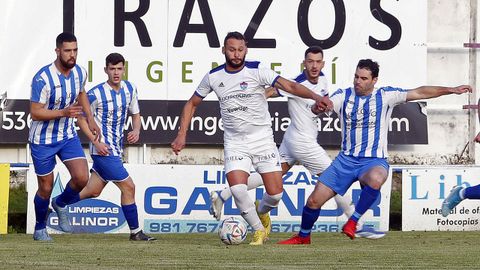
<point x="303" y="126"/>
<point x="243" y="104"/>
<point x="365" y="119"/>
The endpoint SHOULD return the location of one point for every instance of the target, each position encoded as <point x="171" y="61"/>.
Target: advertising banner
<point x="161" y="120"/>
<point x="175" y="199"/>
<point x="423" y="191"/>
<point x="170" y="45"/>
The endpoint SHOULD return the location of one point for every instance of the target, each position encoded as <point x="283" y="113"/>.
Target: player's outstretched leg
<point x="216" y="204"/>
<point x="452" y="200"/>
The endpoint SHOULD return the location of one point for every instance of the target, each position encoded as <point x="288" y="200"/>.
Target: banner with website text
<point x="175" y="199"/>
<point x="170" y="45"/>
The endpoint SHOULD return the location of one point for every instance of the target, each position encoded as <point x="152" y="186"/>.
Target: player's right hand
<point x="102" y="148"/>
<point x="178" y="144"/>
<point x="73" y="111"/>
<point x="322" y="104"/>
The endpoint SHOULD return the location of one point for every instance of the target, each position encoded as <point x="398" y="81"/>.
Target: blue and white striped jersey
<point x="52" y="88"/>
<point x="109" y="108"/>
<point x="365" y="119"/>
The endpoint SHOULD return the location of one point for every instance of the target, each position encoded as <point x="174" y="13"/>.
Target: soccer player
<point x="110" y="101"/>
<point x="460" y="193"/>
<point x="299" y="143"/>
<point x="364" y="113"/>
<point x="58" y="96"/>
<point x="248" y="137"/>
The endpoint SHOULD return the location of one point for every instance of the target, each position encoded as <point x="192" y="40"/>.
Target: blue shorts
<point x="43" y="155"/>
<point x="345" y="170"/>
<point x="109" y="168"/>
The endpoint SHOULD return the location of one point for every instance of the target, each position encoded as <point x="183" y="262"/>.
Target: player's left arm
<point x="134" y="135"/>
<point x="297" y="89"/>
<point x="92" y="125"/>
<point x="426" y="92"/>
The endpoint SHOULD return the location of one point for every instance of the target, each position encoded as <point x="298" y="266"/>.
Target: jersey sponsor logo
<point x="360" y="112"/>
<point x="236" y="96"/>
<point x="233" y="158"/>
<point x="240" y="108"/>
<point x="90" y="215"/>
<point x="243" y="85"/>
<point x="266" y="157"/>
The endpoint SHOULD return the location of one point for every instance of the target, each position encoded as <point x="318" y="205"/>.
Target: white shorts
<point x="311" y="155"/>
<point x="263" y="159"/>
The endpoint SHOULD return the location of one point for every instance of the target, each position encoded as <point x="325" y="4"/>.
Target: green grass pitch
<point x="398" y="250"/>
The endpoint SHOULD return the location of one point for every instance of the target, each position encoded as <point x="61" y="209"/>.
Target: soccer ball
<point x="232" y="231"/>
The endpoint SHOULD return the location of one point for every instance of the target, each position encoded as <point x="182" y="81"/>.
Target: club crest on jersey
<point x="243" y="85"/>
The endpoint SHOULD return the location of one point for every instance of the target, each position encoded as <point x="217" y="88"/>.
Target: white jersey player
<point x="364" y="114"/>
<point x="248" y="138"/>
<point x="299" y="143"/>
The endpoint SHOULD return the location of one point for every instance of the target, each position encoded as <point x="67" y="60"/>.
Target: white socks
<point x="246" y="206"/>
<point x="269" y="202"/>
<point x="254" y="180"/>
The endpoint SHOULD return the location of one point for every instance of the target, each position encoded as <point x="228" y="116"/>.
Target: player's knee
<point x="313" y="202"/>
<point x="376" y="178"/>
<point x="80" y="179"/>
<point x="375" y="185"/>
<point x="95" y="194"/>
<point x="272" y="200"/>
<point x="129" y="189"/>
<point x="376" y="181"/>
<point x="45" y="190"/>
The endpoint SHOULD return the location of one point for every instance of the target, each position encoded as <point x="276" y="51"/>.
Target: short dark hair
<point x="236" y="35"/>
<point x="314" y="49"/>
<point x="65" y="37"/>
<point x="371" y="65"/>
<point x="114" y="58"/>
